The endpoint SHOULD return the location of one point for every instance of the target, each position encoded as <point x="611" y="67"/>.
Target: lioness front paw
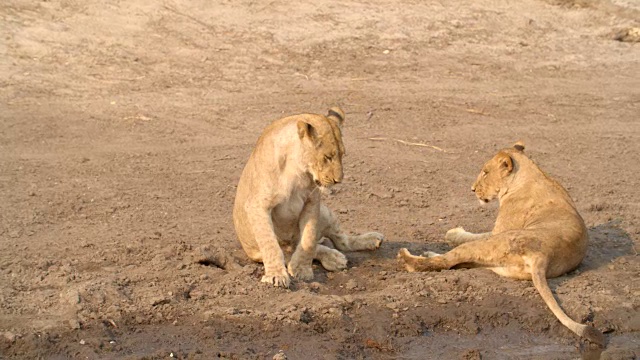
<point x="333" y="260"/>
<point x="454" y="234"/>
<point x="277" y="278"/>
<point x="373" y="240"/>
<point x="301" y="272"/>
<point x="430" y="254"/>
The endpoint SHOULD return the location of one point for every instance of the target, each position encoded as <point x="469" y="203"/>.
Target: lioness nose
<point x="473" y="189"/>
<point x="337" y="175"/>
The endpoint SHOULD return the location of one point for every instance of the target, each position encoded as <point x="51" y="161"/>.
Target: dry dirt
<point x="124" y="126"/>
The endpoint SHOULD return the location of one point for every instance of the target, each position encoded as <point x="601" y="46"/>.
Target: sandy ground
<point x="124" y="126"/>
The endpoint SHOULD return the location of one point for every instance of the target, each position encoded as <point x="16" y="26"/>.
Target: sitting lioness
<point x="538" y="232"/>
<point x="278" y="201"/>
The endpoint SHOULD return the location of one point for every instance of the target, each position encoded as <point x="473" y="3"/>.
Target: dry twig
<point x="477" y="111"/>
<point x="113" y="323"/>
<point x="409" y="143"/>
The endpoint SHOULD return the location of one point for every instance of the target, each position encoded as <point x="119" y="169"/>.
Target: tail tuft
<point x="594" y="335"/>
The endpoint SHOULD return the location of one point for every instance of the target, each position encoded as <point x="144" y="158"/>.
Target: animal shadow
<point x="607" y="242"/>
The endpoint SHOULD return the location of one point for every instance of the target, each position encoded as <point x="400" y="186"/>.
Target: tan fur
<point x="278" y="199"/>
<point x="538" y="232"/>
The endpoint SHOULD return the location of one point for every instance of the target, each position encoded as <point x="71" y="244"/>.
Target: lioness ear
<point x="306" y="129"/>
<point x="506" y="162"/>
<point x="519" y="146"/>
<point x="336" y="113"/>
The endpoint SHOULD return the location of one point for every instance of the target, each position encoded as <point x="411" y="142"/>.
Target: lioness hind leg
<point x="366" y="241"/>
<point x="458" y="236"/>
<point x="330" y="227"/>
<point x="331" y="259"/>
<point x="493" y="252"/>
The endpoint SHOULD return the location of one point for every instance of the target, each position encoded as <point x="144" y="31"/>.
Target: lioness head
<point x="491" y="179"/>
<point x="322" y="141"/>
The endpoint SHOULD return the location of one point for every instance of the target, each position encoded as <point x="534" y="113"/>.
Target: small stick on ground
<point x="409" y="143"/>
<point x="477" y="111"/>
<point x="369" y="114"/>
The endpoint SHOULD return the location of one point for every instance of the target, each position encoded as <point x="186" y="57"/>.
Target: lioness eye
<point x="327" y="158"/>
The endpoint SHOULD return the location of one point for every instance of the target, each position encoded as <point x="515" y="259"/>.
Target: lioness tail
<point x="539" y="277"/>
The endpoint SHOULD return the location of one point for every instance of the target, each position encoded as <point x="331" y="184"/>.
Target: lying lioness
<point x="538" y="232"/>
<point x="278" y="199"/>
